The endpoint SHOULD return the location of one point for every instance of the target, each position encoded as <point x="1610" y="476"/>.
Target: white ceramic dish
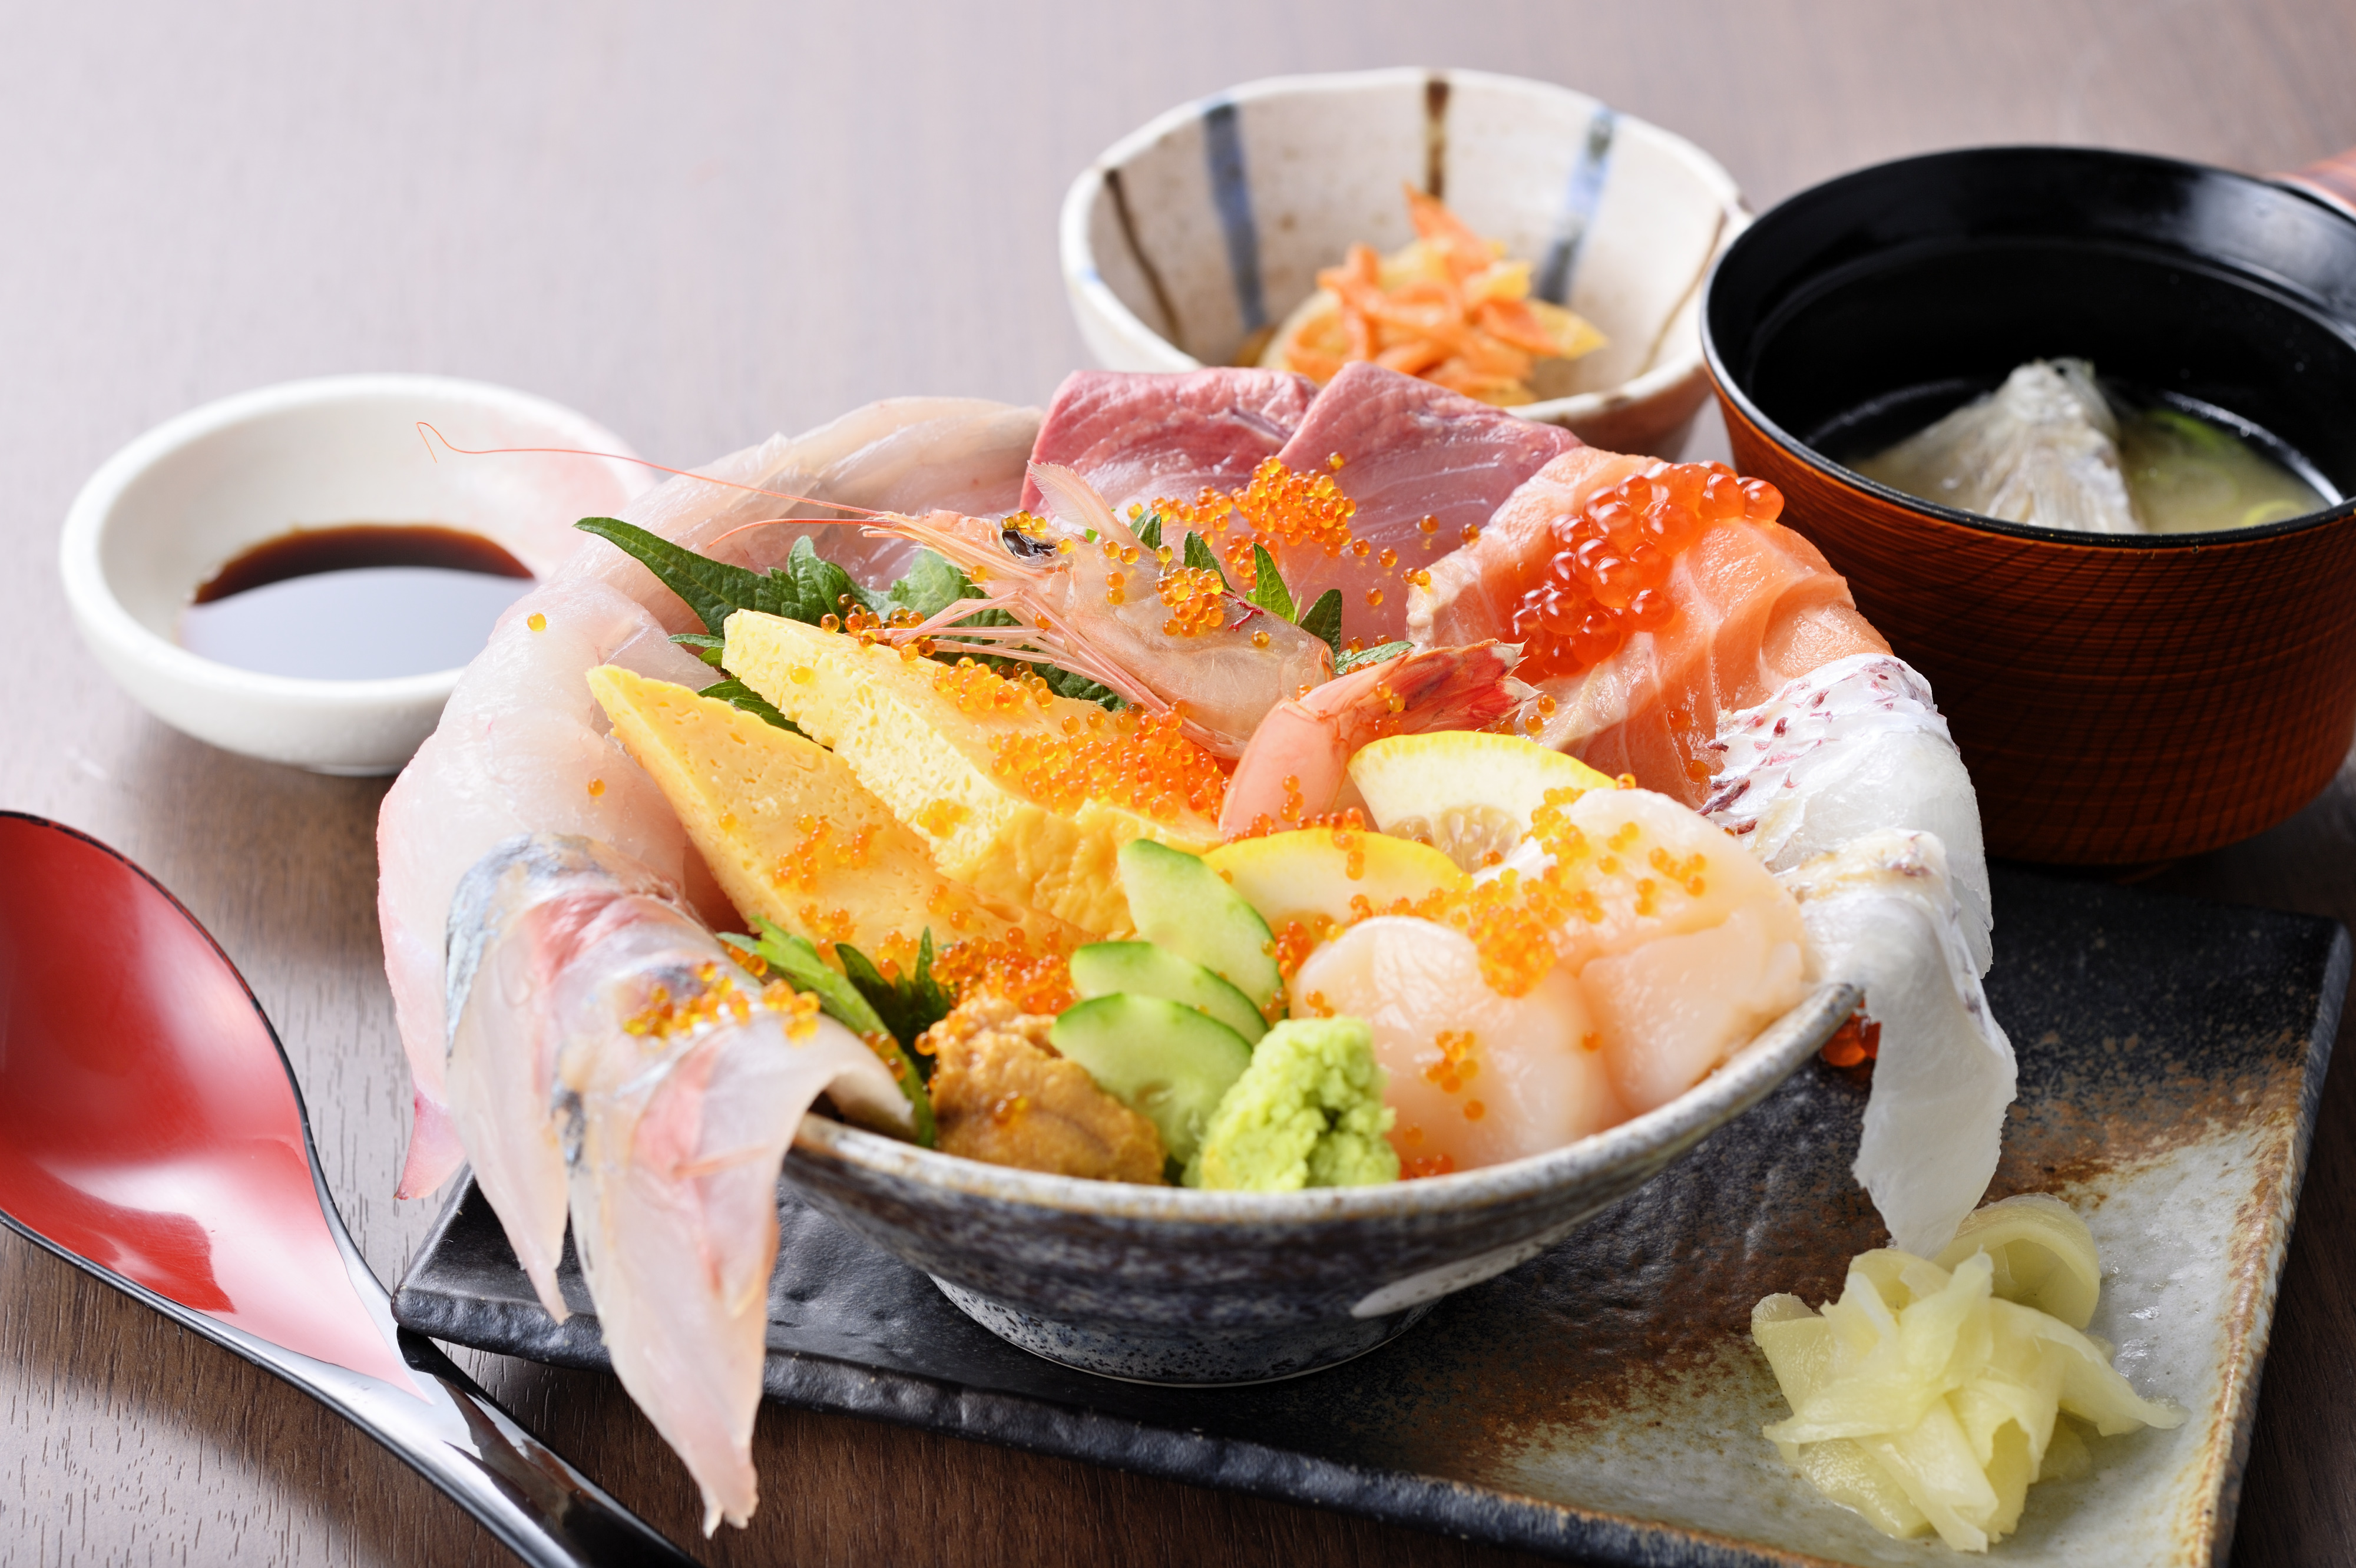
<point x="161" y="514"/>
<point x="1190" y="235"/>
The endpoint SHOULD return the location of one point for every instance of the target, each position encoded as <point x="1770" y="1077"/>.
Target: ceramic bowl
<point x="2119" y="700"/>
<point x="1171" y="1285"/>
<point x="161" y="514"/>
<point x="1191" y="235"/>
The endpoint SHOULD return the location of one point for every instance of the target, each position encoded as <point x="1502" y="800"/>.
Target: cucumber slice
<point x="1177" y="902"/>
<point x="1144" y="969"/>
<point x="1166" y="1061"/>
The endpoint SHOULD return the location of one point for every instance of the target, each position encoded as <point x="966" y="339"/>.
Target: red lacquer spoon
<point x="151" y="1133"/>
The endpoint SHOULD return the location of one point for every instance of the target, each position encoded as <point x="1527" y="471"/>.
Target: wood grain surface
<point x="702" y="225"/>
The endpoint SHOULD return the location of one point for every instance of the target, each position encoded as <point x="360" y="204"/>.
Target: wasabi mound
<point x="1308" y="1112"/>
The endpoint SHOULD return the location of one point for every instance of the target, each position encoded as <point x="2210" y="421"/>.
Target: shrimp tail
<point x="1297" y="764"/>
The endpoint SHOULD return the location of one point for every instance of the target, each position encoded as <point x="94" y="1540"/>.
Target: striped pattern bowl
<point x="1192" y="235"/>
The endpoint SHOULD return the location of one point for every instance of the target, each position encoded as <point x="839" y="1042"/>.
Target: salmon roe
<point x="980" y="691"/>
<point x="1609" y="575"/>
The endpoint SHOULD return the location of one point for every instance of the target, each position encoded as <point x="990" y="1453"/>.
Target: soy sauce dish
<point x="2120" y="698"/>
<point x="293" y="573"/>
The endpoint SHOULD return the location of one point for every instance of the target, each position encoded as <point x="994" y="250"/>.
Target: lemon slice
<point x="1468" y="794"/>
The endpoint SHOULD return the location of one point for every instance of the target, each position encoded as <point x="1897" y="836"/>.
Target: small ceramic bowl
<point x="2120" y="699"/>
<point x="160" y="515"/>
<point x="1171" y="1285"/>
<point x="1190" y="236"/>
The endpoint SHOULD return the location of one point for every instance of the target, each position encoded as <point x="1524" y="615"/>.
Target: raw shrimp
<point x="1087" y="592"/>
<point x="1297" y="765"/>
<point x="524" y="748"/>
<point x="1650" y="600"/>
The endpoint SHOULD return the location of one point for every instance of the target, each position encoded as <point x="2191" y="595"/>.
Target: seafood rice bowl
<point x="1216" y="783"/>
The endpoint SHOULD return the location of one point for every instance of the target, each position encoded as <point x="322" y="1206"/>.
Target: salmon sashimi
<point x="1651" y="600"/>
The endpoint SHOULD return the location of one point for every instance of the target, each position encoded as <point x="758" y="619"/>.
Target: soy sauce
<point x="355" y="602"/>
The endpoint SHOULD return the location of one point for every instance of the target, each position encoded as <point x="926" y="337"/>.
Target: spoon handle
<point x="547" y="1512"/>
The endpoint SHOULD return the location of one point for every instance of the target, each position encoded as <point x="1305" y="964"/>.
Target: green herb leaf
<point x="1269" y="591"/>
<point x="737" y="694"/>
<point x="797" y="961"/>
<point x="712" y="590"/>
<point x="931" y="586"/>
<point x="909" y="1005"/>
<point x="705" y="647"/>
<point x="1149" y="531"/>
<point x="1324" y="619"/>
<point x="1375" y="655"/>
<point x="825" y="588"/>
<point x="1199" y="556"/>
<point x="1079" y="688"/>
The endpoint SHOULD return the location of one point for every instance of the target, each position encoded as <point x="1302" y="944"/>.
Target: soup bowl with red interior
<point x="2120" y="699"/>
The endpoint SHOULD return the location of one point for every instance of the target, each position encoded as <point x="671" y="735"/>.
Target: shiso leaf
<point x="1147" y="529"/>
<point x="1324" y="619"/>
<point x="797" y="961"/>
<point x="1375" y="655"/>
<point x="1199" y="556"/>
<point x="1269" y="591"/>
<point x="908" y="1005"/>
<point x="737" y="694"/>
<point x="702" y="645"/>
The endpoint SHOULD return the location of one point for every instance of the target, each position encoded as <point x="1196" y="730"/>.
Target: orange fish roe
<point x="1610" y="578"/>
<point x="1456" y="1066"/>
<point x="816" y="852"/>
<point x="710" y="996"/>
<point x="980" y="691"/>
<point x="537" y="622"/>
<point x="1036" y="980"/>
<point x="1195" y="599"/>
<point x="1141" y="761"/>
<point x="829" y="925"/>
<point x="1422" y="1165"/>
<point x="1855" y="1043"/>
<point x="1295" y="940"/>
<point x="596" y="788"/>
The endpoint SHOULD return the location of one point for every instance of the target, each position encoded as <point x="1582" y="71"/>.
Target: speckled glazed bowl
<point x="1169" y="1285"/>
<point x="1191" y="235"/>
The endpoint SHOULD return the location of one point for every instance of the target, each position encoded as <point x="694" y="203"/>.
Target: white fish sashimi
<point x="1846" y="784"/>
<point x="678" y="1096"/>
<point x="518" y="747"/>
<point x="521" y="916"/>
<point x="1880" y="915"/>
<point x="524" y="748"/>
<point x="1849" y="748"/>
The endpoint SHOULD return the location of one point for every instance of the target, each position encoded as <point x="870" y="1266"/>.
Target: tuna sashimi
<point x="1141" y="437"/>
<point x="1409" y="451"/>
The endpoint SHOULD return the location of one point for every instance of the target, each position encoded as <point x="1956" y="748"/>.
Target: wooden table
<point x="701" y="229"/>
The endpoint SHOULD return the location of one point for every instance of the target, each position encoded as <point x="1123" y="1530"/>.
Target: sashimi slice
<point x="1478" y="585"/>
<point x="1852" y="746"/>
<point x="1409" y="451"/>
<point x="1140" y="437"/>
<point x="1880" y="915"/>
<point x="521" y="914"/>
<point x="1748" y="596"/>
<point x="679" y="1105"/>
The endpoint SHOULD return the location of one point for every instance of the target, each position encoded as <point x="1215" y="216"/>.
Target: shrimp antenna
<point x="425" y="426"/>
